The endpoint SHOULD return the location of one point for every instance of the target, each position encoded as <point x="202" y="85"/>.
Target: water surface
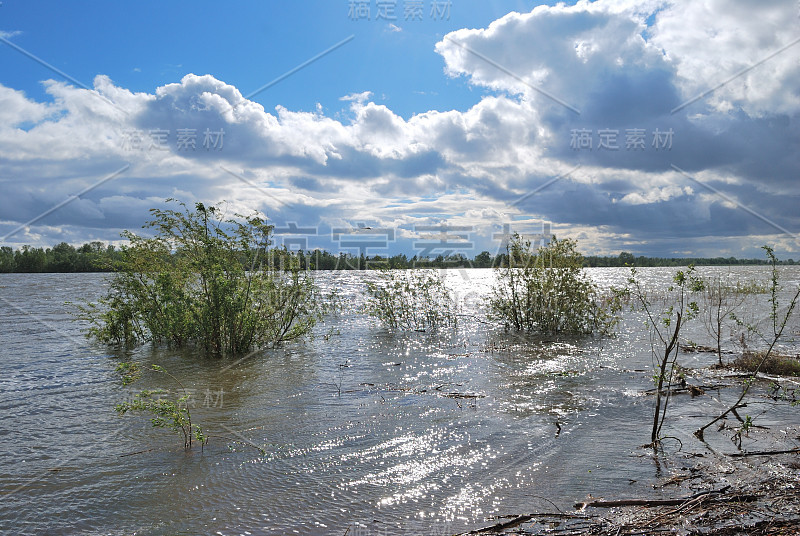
<point x="364" y="429"/>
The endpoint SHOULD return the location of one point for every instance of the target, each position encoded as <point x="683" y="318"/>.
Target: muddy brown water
<point x="365" y="431"/>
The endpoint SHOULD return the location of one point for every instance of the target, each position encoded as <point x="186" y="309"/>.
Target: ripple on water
<point x="367" y="430"/>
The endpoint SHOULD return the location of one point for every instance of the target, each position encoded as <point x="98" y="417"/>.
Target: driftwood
<point x="519" y="520"/>
<point x="763" y="453"/>
<point x="462" y="395"/>
<point x="711" y="509"/>
<point x="766" y="502"/>
<point x="412" y="390"/>
<point x="699" y="348"/>
<point x="709" y="496"/>
<point x="681" y="388"/>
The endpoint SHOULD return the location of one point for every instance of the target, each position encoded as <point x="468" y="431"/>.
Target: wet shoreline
<point x="750" y="489"/>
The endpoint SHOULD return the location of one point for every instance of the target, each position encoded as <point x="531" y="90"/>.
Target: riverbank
<point x="716" y="495"/>
<point x="751" y="490"/>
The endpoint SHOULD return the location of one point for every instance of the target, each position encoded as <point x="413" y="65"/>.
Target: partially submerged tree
<point x="411" y="300"/>
<point x="204" y="280"/>
<point x="665" y="328"/>
<point x="720" y="303"/>
<point x="546" y="290"/>
<point x="778" y="323"/>
<point x="166" y="411"/>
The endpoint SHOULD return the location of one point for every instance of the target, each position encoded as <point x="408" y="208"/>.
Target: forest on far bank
<point x="99" y="257"/>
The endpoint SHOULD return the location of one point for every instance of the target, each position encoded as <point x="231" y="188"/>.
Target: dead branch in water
<point x="763" y="453"/>
<point x="708" y="496"/>
<point x="519" y="520"/>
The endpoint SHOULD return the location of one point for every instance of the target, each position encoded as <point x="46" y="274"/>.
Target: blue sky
<point x="661" y="128"/>
<point x="143" y="45"/>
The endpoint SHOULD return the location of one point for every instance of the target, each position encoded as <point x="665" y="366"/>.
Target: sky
<point x="424" y="127"/>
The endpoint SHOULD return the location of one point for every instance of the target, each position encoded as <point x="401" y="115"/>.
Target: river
<point x="365" y="431"/>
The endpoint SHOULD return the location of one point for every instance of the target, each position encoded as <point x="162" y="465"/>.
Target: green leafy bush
<point x="546" y="291"/>
<point x="208" y="281"/>
<point x="412" y="300"/>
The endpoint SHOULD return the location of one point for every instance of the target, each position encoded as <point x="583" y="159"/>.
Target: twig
<point x="504" y="525"/>
<point x="134" y="453"/>
<point x="763" y="453"/>
<point x="232" y="440"/>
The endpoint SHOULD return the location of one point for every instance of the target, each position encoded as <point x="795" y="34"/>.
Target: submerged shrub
<point x="720" y="303"/>
<point x="665" y="329"/>
<point x="411" y="300"/>
<point x="204" y="280"/>
<point x="546" y="291"/>
<point x="166" y="411"/>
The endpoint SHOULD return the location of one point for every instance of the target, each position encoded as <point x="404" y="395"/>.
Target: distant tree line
<point x="62" y="258"/>
<point x="628" y="259"/>
<point x="99" y="257"/>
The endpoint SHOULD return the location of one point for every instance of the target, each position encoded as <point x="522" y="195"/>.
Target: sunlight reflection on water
<point x="384" y="433"/>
